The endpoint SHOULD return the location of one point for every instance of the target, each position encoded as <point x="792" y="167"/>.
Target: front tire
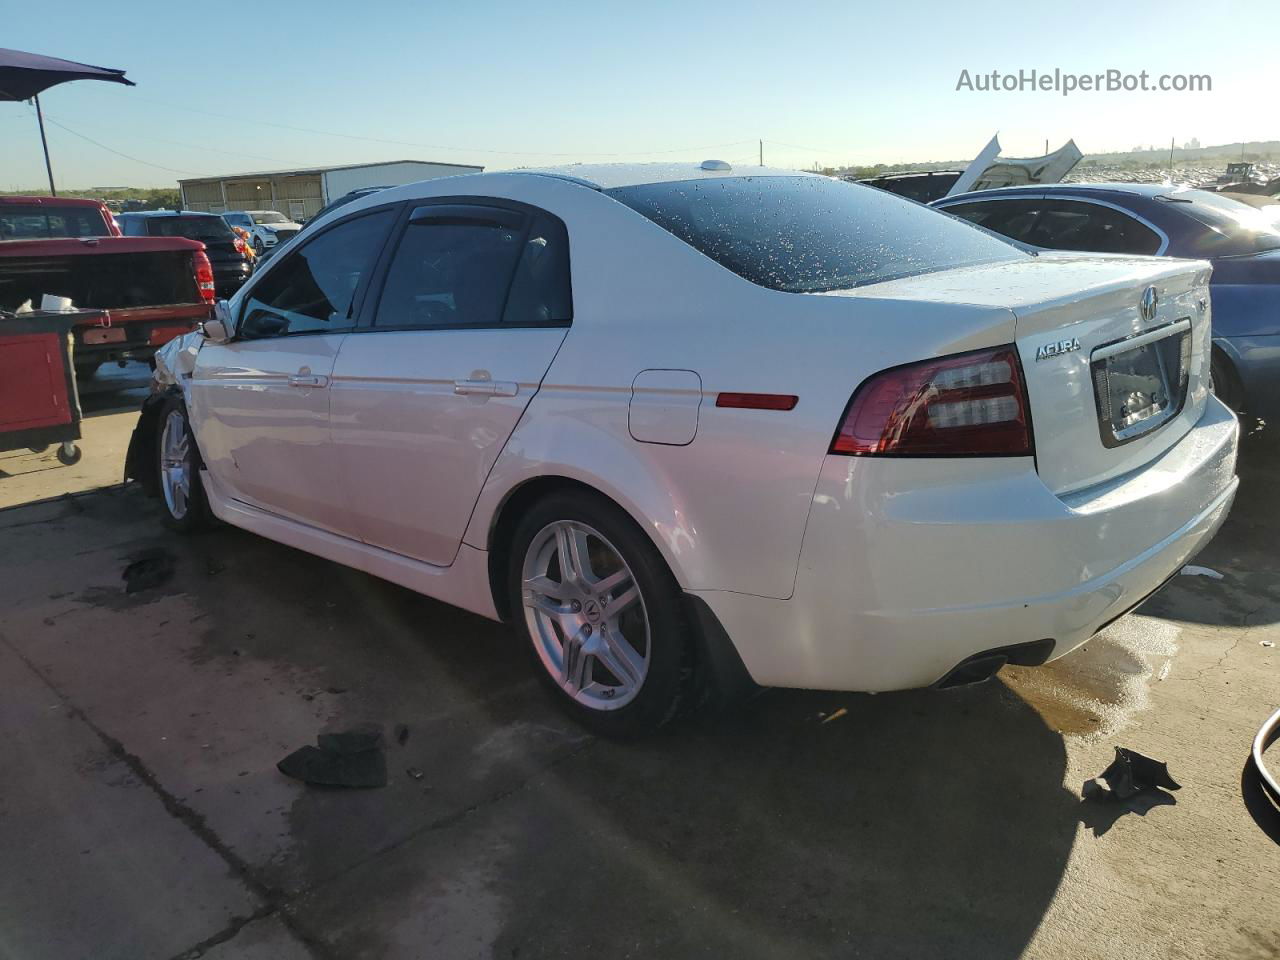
<point x="182" y="498"/>
<point x="601" y="613"/>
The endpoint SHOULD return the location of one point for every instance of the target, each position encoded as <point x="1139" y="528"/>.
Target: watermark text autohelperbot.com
<point x="1066" y="83"/>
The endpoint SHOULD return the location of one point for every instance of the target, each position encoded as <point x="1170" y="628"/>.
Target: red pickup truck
<point x="152" y="289"/>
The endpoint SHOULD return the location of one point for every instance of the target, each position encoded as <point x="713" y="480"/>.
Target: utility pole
<point x="45" y="143"/>
<point x="1172" y="141"/>
<point x="762" y="153"/>
<point x="1046" y="146"/>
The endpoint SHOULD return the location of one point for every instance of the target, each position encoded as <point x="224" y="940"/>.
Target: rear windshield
<point x="269" y="217"/>
<point x="22" y="222"/>
<point x="812" y="234"/>
<point x="193" y="228"/>
<point x="1238" y="228"/>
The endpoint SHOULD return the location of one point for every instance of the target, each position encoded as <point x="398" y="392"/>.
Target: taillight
<point x="204" y="276"/>
<point x="969" y="404"/>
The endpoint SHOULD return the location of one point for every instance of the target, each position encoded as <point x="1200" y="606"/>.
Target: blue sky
<point x="543" y="81"/>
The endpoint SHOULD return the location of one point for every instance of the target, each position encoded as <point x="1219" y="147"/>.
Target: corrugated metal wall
<point x="295" y="197"/>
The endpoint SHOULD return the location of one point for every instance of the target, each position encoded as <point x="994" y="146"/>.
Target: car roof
<point x="166" y="213"/>
<point x="54" y="201"/>
<point x="1148" y="191"/>
<point x="606" y="176"/>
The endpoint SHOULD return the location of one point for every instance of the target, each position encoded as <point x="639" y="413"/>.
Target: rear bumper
<point x="230" y="277"/>
<point x="135" y="334"/>
<point x="908" y="569"/>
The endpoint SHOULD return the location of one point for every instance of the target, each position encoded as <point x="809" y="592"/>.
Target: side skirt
<point x="465" y="583"/>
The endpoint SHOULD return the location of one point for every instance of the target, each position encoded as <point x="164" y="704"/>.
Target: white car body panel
<point x="413" y="421"/>
<point x="977" y="557"/>
<point x="264" y="438"/>
<point x="826" y="571"/>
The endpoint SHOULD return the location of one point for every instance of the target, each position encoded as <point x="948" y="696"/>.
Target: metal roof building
<point x="300" y="194"/>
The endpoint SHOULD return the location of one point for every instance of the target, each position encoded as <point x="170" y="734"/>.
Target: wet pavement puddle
<point x="1093" y="691"/>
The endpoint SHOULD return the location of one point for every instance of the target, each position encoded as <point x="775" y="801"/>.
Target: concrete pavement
<point x="141" y="814"/>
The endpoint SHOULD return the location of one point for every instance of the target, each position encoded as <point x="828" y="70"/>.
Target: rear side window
<point x="1072" y="225"/>
<point x="811" y="234"/>
<point x="314" y="289"/>
<point x="472" y="266"/>
<point x="1235" y="228"/>
<point x="42" y="222"/>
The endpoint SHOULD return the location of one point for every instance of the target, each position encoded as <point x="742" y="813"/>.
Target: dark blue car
<point x="1238" y="237"/>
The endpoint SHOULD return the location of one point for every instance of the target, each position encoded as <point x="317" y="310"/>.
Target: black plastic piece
<point x="725" y="680"/>
<point x="1131" y="773"/>
<point x="351" y="758"/>
<point x="140" y="461"/>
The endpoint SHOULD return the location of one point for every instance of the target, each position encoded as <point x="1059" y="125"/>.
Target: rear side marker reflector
<point x="966" y="405"/>
<point x="757" y="401"/>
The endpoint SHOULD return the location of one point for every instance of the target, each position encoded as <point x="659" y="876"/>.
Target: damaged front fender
<point x="175" y="362"/>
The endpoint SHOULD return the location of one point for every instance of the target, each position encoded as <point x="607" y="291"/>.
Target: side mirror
<point x="217" y="329"/>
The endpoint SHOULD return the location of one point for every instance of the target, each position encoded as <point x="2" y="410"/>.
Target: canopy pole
<point x="45" y="143"/>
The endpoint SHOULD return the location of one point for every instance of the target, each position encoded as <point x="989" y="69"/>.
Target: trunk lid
<point x="1111" y="387"/>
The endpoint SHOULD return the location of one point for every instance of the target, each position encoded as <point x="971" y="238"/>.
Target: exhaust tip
<point x="985" y="665"/>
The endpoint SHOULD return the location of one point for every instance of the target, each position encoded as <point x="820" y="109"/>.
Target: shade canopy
<point x="23" y="75"/>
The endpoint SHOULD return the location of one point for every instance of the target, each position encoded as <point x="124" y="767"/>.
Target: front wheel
<point x="601" y="613"/>
<point x="186" y="509"/>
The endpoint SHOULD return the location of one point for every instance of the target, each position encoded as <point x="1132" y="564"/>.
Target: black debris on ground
<point x="349" y="758"/>
<point x="1132" y="783"/>
<point x="147" y="570"/>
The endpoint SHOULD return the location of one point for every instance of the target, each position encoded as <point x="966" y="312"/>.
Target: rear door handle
<point x="308" y="380"/>
<point x="486" y="388"/>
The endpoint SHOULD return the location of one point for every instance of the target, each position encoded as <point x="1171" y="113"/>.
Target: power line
<point x="428" y="146"/>
<point x="779" y="143"/>
<point x="103" y="146"/>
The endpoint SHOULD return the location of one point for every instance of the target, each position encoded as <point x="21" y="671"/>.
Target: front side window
<point x="314" y="290"/>
<point x="460" y="266"/>
<point x="811" y="234"/>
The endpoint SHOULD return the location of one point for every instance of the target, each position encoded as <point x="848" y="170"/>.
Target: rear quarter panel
<point x="728" y="510"/>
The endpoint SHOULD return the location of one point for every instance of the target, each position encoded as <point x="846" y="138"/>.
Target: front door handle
<point x="308" y="380"/>
<point x="485" y="388"/>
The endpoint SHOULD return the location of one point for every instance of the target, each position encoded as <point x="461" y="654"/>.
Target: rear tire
<point x="1224" y="383"/>
<point x="606" y="628"/>
<point x="182" y="498"/>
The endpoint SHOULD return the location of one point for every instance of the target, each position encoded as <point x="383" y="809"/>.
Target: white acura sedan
<point x="688" y="428"/>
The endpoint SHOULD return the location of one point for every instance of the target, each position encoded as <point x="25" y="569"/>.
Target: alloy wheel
<point x="175" y="464"/>
<point x="586" y="615"/>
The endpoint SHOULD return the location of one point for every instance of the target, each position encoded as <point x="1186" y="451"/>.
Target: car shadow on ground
<point x="800" y="824"/>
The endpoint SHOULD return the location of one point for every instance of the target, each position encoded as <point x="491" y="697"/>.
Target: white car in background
<point x="266" y="227"/>
<point x="685" y="427"/>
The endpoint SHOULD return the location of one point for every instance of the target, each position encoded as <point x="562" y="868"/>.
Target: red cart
<point x="38" y="400"/>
